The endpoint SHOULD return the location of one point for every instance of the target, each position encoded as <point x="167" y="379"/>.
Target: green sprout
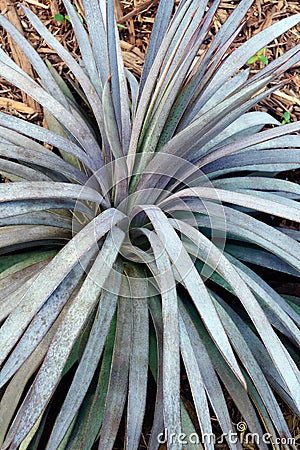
<point x="62" y="17"/>
<point x="59" y="17"/>
<point x="286" y="118"/>
<point x="259" y="56"/>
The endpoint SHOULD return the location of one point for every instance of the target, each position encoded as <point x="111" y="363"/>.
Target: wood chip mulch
<point x="135" y="19"/>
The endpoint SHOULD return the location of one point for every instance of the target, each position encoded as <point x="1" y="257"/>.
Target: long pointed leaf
<point x="87" y="365"/>
<point x="211" y="382"/>
<point x="118" y="382"/>
<point x="48" y="376"/>
<point x="171" y="364"/>
<point x="52" y="276"/>
<point x="193" y="283"/>
<point x="196" y="384"/>
<point x="273" y="345"/>
<point x="138" y="372"/>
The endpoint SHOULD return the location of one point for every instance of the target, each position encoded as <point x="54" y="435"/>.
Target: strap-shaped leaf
<point x="269" y="293"/>
<point x="84" y="45"/>
<point x="43" y="159"/>
<point x="89" y="418"/>
<point x="118" y="381"/>
<point x="281" y="64"/>
<point x="138" y="371"/>
<point x="34" y="58"/>
<point x="186" y="21"/>
<point x="156" y="366"/>
<point x="15" y="389"/>
<point x="97" y="33"/>
<point x="14" y="235"/>
<point x="277" y="351"/>
<point x="134" y="86"/>
<point x="294" y="234"/>
<point x="148" y="84"/>
<point x="11" y="192"/>
<point x="188" y="429"/>
<point x="236" y="108"/>
<point x="15" y="208"/>
<point x="255" y="372"/>
<point x="261" y="258"/>
<point x="38" y="218"/>
<point x="196" y="384"/>
<point x="258" y="183"/>
<point x="235" y="389"/>
<point x="158" y="34"/>
<point x="152" y="133"/>
<point x="70" y="119"/>
<point x="13" y="292"/>
<point x="18" y="172"/>
<point x="81" y="76"/>
<point x="193" y="283"/>
<point x="276" y="314"/>
<point x="289" y="199"/>
<point x="8" y="123"/>
<point x="262" y="410"/>
<point x="210" y="379"/>
<point x="66" y="336"/>
<point x="88" y="363"/>
<point x="227" y="89"/>
<point x="273" y="319"/>
<point x="243" y="226"/>
<point x="210" y="61"/>
<point x="252" y="160"/>
<point x="201" y="131"/>
<point x="171" y="361"/>
<point x="11" y="264"/>
<point x="110" y="121"/>
<point x="232" y="23"/>
<point x="40" y="325"/>
<point x="118" y="78"/>
<point x="115" y="155"/>
<point x="246" y="125"/>
<point x="9" y="62"/>
<point x="241" y="55"/>
<point x="264" y="137"/>
<point x="266" y="364"/>
<point x="58" y="268"/>
<point x="276" y="208"/>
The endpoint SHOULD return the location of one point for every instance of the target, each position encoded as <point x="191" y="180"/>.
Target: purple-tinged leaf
<point x="88" y="363"/>
<point x="41" y="390"/>
<point x="60" y="266"/>
<point x="193" y="283"/>
<point x="118" y="382"/>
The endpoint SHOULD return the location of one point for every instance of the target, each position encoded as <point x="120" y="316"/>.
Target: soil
<point x="135" y="19"/>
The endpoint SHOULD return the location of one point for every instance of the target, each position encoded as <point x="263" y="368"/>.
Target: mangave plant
<point x="137" y="234"/>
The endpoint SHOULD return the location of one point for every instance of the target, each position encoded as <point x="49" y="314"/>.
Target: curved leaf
<point x="192" y="282"/>
<point x="50" y="278"/>
<point x="68" y="332"/>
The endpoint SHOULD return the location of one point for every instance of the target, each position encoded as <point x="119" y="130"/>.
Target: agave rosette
<point x="131" y="247"/>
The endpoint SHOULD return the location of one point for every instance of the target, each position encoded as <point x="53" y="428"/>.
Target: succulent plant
<point x="134" y="245"/>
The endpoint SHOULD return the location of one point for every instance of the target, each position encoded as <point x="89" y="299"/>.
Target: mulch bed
<point x="135" y="19"/>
